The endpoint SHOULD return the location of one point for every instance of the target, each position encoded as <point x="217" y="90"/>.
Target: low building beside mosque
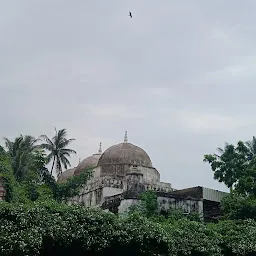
<point x="123" y="171"/>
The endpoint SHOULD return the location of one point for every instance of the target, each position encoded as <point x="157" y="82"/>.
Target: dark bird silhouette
<point x="130" y="14"/>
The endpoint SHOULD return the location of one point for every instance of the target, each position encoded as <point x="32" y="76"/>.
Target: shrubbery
<point x="237" y="207"/>
<point x="50" y="228"/>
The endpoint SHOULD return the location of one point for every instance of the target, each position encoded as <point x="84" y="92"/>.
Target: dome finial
<point x="125" y="137"/>
<point x="100" y="149"/>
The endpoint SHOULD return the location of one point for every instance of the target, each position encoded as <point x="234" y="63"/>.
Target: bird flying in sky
<point x="130" y="14"/>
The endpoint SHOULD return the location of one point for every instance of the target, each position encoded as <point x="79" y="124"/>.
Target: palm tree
<point x="20" y="151"/>
<point x="57" y="150"/>
<point x="251" y="145"/>
<point x="221" y="150"/>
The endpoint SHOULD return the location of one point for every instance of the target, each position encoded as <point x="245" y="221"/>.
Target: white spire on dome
<point x="100" y="149"/>
<point x="125" y="137"/>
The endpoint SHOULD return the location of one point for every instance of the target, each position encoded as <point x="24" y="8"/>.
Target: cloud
<point x="178" y="76"/>
<point x="114" y="111"/>
<point x="212" y="122"/>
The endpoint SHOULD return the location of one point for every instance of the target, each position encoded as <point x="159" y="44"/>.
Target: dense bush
<point x="237" y="207"/>
<point x="50" y="228"/>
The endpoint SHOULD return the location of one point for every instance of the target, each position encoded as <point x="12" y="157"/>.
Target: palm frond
<point x="220" y="150"/>
<point x="65" y="142"/>
<point x="65" y="161"/>
<point x="8" y="144"/>
<point x="46" y="139"/>
<point x="251" y="145"/>
<point x="62" y="133"/>
<point x="47" y="146"/>
<point x="68" y="150"/>
<point x="49" y="157"/>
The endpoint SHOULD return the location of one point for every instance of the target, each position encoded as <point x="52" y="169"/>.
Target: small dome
<point x="125" y="153"/>
<point x="91" y="161"/>
<point x="66" y="174"/>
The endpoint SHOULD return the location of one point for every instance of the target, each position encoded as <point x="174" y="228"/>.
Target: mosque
<point x="123" y="171"/>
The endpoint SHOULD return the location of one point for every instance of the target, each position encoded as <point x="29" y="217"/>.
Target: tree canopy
<point x="21" y="154"/>
<point x="235" y="166"/>
<point x="25" y="175"/>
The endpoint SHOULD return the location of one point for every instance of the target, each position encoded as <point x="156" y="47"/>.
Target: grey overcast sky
<point x="179" y="76"/>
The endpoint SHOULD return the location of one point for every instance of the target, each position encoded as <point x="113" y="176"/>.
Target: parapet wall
<point x="166" y="201"/>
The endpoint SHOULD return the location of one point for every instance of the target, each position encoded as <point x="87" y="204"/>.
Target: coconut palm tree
<point x="251" y="145"/>
<point x="58" y="153"/>
<point x="20" y="151"/>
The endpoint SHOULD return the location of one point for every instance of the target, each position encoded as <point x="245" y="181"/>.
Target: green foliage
<point x="24" y="173"/>
<point x="230" y="165"/>
<point x="177" y="214"/>
<point x="194" y="216"/>
<point x="71" y="188"/>
<point x="6" y="176"/>
<point x="174" y="215"/>
<point x="37" y="183"/>
<point x="236" y="237"/>
<point x="237" y="207"/>
<point x="148" y="205"/>
<point x="246" y="184"/>
<point x="21" y="154"/>
<point x="252" y="146"/>
<point x="29" y="190"/>
<point x="236" y="167"/>
<point x="50" y="228"/>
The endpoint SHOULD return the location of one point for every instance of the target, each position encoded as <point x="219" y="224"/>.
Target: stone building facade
<point x="123" y="172"/>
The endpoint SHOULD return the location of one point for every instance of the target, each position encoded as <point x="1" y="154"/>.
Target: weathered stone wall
<point x="110" y="180"/>
<point x="185" y="204"/>
<point x="126" y="204"/>
<point x="97" y="189"/>
<point x="121" y="203"/>
<point x="159" y="186"/>
<point x="111" y="191"/>
<point x="150" y="175"/>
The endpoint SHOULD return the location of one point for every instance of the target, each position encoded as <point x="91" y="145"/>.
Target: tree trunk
<point x="53" y="164"/>
<point x="59" y="167"/>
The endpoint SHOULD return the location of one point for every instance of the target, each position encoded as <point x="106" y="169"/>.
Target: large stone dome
<point x="125" y="153"/>
<point x="89" y="162"/>
<point x="65" y="175"/>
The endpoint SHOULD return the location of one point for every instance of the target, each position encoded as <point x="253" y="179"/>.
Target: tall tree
<point x="231" y="164"/>
<point x="58" y="153"/>
<point x="20" y="151"/>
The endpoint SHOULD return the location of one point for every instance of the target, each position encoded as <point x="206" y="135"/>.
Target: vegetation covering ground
<point x="36" y="221"/>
